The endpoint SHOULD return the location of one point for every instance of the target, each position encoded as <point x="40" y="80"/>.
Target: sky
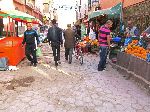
<point x="65" y="15"/>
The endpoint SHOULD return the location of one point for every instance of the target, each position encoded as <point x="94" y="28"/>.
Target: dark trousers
<point x="103" y="57"/>
<point x="68" y="52"/>
<point x="30" y="52"/>
<point x="56" y="51"/>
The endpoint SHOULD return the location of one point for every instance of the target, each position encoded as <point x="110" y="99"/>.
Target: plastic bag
<point x="148" y="57"/>
<point x="38" y="52"/>
<point x="142" y="43"/>
<point x="127" y="41"/>
<point x="3" y="64"/>
<point x="116" y="39"/>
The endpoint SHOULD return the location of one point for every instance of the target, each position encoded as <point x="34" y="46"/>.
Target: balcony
<point x="19" y="1"/>
<point x="30" y="5"/>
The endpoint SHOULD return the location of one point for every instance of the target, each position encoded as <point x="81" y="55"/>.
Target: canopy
<point x="111" y="12"/>
<point x="16" y="14"/>
<point x="3" y="14"/>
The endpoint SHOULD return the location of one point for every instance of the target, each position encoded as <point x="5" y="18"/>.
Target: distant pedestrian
<point x="31" y="39"/>
<point x="69" y="36"/>
<point x="54" y="36"/>
<point x="104" y="43"/>
<point x="131" y="30"/>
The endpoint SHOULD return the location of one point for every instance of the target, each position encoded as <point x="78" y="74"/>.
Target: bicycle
<point x="79" y="52"/>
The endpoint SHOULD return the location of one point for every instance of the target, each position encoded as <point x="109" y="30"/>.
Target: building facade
<point x="31" y="7"/>
<point x="82" y="6"/>
<point x="110" y="3"/>
<point x="136" y="10"/>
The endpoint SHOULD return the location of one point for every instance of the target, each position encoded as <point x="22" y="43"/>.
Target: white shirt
<point x="92" y="34"/>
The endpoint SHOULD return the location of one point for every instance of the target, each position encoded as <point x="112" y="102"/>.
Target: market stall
<point x="99" y="18"/>
<point x="111" y="12"/>
<point x="134" y="58"/>
<point x="11" y="45"/>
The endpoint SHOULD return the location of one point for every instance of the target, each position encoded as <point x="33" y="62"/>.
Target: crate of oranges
<point x="136" y="50"/>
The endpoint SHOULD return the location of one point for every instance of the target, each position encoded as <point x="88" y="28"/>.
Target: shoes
<point x="34" y="64"/>
<point x="101" y="69"/>
<point x="56" y="64"/>
<point x="59" y="62"/>
<point x="31" y="64"/>
<point x="66" y="58"/>
<point x="69" y="62"/>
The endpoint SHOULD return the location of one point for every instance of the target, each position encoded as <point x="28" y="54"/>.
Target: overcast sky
<point x="65" y="14"/>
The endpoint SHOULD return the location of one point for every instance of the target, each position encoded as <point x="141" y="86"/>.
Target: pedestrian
<point x="69" y="44"/>
<point x="31" y="39"/>
<point x="78" y="27"/>
<point x="131" y="30"/>
<point x="54" y="36"/>
<point x="104" y="43"/>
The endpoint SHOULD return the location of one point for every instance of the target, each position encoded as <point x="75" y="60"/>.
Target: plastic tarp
<point x="111" y="12"/>
<point x="16" y="14"/>
<point x="3" y="14"/>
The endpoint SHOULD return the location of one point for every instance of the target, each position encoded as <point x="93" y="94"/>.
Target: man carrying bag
<point x="30" y="38"/>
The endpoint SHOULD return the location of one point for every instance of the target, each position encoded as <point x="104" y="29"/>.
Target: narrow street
<point x="69" y="88"/>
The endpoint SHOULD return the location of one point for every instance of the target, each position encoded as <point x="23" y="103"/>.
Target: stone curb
<point x="144" y="84"/>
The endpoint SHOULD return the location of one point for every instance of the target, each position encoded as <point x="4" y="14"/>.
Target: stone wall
<point x="137" y="66"/>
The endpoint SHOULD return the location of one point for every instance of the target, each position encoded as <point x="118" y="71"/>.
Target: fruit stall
<point x="89" y="45"/>
<point x="135" y="58"/>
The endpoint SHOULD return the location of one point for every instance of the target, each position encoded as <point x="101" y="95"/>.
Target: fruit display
<point x="87" y="39"/>
<point x="136" y="50"/>
<point x="82" y="44"/>
<point x="94" y="42"/>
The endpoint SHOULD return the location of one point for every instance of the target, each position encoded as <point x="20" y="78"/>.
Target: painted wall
<point x="109" y="3"/>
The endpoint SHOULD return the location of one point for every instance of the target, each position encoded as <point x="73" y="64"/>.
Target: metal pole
<point x="76" y="9"/>
<point x="80" y="9"/>
<point x="122" y="9"/>
<point x="85" y="9"/>
<point x="121" y="17"/>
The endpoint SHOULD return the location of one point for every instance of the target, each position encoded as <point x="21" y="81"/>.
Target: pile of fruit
<point x="82" y="44"/>
<point x="136" y="50"/>
<point x="94" y="42"/>
<point x="87" y="39"/>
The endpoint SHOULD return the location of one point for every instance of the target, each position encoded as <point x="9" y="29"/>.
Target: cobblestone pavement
<point x="69" y="88"/>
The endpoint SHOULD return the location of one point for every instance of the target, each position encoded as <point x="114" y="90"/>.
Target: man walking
<point x="30" y="38"/>
<point x="54" y="36"/>
<point x="69" y="36"/>
<point x="104" y="43"/>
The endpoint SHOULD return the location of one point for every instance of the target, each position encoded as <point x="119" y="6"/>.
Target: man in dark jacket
<point x="54" y="36"/>
<point x="30" y="38"/>
<point x="69" y="36"/>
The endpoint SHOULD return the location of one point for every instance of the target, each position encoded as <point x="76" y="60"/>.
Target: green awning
<point x="111" y="12"/>
<point x="16" y="14"/>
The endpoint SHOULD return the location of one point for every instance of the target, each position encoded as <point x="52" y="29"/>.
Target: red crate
<point x="11" y="48"/>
